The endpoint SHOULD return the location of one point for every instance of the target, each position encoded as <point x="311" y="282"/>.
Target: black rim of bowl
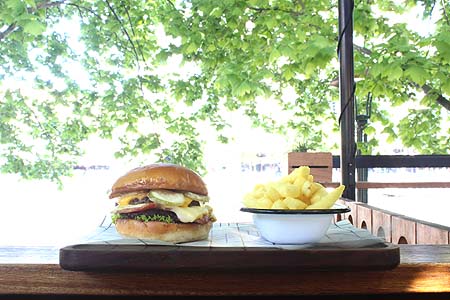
<point x="336" y="210"/>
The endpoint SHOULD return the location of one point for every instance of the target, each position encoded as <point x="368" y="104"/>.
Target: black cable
<point x="341" y="35"/>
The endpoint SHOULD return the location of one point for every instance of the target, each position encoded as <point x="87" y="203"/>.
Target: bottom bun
<point x="168" y="232"/>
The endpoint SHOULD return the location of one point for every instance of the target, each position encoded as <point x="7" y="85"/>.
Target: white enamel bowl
<point x="282" y="226"/>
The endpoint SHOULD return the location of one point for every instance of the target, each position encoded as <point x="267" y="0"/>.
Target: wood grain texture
<point x="233" y="246"/>
<point x="320" y="163"/>
<point x="403" y="230"/>
<point x="381" y="224"/>
<point x="392" y="185"/>
<point x="427" y="234"/>
<point x="165" y="258"/>
<point x="385" y="185"/>
<point x="352" y="216"/>
<point x="364" y="217"/>
<point x="423" y="269"/>
<point x="50" y="279"/>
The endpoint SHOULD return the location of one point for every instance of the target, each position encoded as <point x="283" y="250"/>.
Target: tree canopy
<point x="152" y="73"/>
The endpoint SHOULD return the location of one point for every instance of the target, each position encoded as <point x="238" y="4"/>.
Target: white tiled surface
<point x="340" y="235"/>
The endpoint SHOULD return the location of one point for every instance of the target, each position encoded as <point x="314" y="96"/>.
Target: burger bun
<point x="169" y="232"/>
<point x="159" y="176"/>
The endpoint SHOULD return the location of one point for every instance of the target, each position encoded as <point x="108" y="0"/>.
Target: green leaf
<point x="216" y="12"/>
<point x="376" y="70"/>
<point x="274" y="55"/>
<point x="15" y="5"/>
<point x="309" y="69"/>
<point x="446" y="87"/>
<point x="192" y="47"/>
<point x="242" y="89"/>
<point x="443" y="48"/>
<point x="31" y="3"/>
<point x="34" y="27"/>
<point x="288" y="73"/>
<point x="270" y="23"/>
<point x="395" y="73"/>
<point x="131" y="79"/>
<point x="417" y="74"/>
<point x="369" y="130"/>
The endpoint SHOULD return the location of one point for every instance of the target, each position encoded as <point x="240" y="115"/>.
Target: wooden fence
<point x="393" y="227"/>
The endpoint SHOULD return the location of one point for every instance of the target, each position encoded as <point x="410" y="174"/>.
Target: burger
<point x="164" y="202"/>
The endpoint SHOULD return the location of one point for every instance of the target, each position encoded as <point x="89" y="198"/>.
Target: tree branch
<point x="125" y="31"/>
<point x="134" y="34"/>
<point x="45" y="5"/>
<point x="39" y="6"/>
<point x="135" y="49"/>
<point x="426" y="88"/>
<point x="7" y="31"/>
<point x="79" y="7"/>
<point x="261" y="9"/>
<point x="362" y="50"/>
<point x="441" y="99"/>
<point x="292" y="12"/>
<point x="444" y="12"/>
<point x="129" y="21"/>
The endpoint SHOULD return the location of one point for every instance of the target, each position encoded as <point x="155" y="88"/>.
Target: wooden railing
<point x="400" y="161"/>
<point x="396" y="228"/>
<point x="322" y="165"/>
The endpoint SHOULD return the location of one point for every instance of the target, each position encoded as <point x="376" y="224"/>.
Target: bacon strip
<point x="136" y="208"/>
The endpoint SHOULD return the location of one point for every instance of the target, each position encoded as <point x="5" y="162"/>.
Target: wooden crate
<point x="320" y="163"/>
<point x="403" y="230"/>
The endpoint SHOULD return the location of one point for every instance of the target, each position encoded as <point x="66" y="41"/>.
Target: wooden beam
<point x="392" y="185"/>
<point x="389" y="185"/>
<point x="398" y="161"/>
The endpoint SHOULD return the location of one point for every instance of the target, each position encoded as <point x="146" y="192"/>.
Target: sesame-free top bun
<point x="159" y="176"/>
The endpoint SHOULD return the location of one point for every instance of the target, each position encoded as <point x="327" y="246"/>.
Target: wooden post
<point x="346" y="92"/>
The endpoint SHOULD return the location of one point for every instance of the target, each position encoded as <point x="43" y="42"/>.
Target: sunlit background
<point x="39" y="213"/>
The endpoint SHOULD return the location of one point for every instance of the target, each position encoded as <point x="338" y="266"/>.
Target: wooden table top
<point x="423" y="270"/>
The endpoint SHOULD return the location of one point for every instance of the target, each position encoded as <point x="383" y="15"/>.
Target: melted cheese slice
<point x="184" y="213"/>
<point x="125" y="199"/>
<point x="190" y="214"/>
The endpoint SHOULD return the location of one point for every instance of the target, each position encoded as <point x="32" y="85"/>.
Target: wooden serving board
<point x="232" y="246"/>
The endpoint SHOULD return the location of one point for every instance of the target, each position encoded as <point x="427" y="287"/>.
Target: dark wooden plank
<point x="413" y="254"/>
<point x="398" y="161"/>
<point x="385" y="185"/>
<point x="233" y="246"/>
<point x="148" y="258"/>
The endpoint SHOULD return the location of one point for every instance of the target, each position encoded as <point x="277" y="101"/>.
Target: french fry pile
<point x="294" y="191"/>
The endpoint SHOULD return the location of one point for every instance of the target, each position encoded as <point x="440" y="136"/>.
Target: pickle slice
<point x="197" y="197"/>
<point x="166" y="197"/>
